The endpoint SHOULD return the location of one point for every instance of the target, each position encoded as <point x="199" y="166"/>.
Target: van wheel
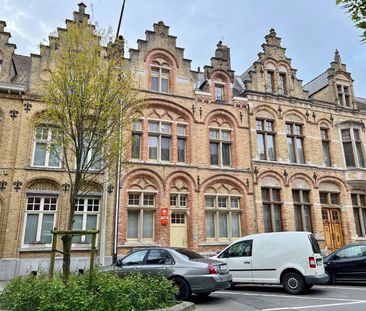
<point x="293" y="283"/>
<point x="184" y="290"/>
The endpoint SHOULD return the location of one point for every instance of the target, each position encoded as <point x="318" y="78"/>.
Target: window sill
<point x="360" y="239"/>
<point x="45" y="168"/>
<point x="24" y="248"/>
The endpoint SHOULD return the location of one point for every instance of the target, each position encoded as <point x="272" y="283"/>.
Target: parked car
<point x="191" y="272"/>
<point x="347" y="264"/>
<point x="292" y="259"/>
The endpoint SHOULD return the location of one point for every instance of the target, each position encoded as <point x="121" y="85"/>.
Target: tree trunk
<point x="67" y="241"/>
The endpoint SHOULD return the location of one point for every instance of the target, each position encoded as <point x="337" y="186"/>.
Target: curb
<point x="183" y="306"/>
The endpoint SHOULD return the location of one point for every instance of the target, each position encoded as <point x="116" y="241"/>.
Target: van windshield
<point x="314" y="244"/>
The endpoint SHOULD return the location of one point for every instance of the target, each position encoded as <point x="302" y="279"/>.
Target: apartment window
<point x="295" y="142"/>
<point x="91" y="157"/>
<point x="160" y="79"/>
<point x="344" y="97"/>
<point x="328" y="198"/>
<point x="219" y="92"/>
<point x="181" y="142"/>
<point x="271" y="209"/>
<point x="39" y="219"/>
<point x="359" y="213"/>
<point x="302" y="208"/>
<point x="265" y="139"/>
<point x="352" y="147"/>
<point x="45" y="153"/>
<point x="222" y="216"/>
<point x="282" y="83"/>
<point x="140" y="216"/>
<point x="85" y="217"/>
<point x="220" y="147"/>
<point x="324" y="134"/>
<point x="159" y="140"/>
<point x="270" y="81"/>
<point x="136" y="139"/>
<point x="178" y="200"/>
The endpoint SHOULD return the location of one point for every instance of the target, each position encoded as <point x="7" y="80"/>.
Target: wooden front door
<point x="332" y="228"/>
<point x="178" y="230"/>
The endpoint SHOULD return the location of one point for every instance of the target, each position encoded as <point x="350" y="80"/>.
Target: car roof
<point x="299" y="233"/>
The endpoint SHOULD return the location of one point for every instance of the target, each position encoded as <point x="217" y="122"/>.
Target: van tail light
<point x="211" y="269"/>
<point x="312" y="263"/>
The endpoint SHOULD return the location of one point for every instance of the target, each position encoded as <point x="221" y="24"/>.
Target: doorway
<point x="332" y="228"/>
<point x="178" y="230"/>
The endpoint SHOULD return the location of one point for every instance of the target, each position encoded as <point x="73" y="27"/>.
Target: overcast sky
<point x="311" y="30"/>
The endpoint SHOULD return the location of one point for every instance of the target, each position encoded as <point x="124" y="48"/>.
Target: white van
<point x="292" y="259"/>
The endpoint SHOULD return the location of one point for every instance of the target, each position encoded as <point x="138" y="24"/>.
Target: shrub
<point x="108" y="292"/>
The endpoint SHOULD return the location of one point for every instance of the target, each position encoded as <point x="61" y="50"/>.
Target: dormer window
<point x="270" y="81"/>
<point x="160" y="77"/>
<point x="343" y="93"/>
<point x="219" y="92"/>
<point x="282" y="83"/>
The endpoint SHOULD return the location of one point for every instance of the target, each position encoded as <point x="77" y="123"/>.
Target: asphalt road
<point x="273" y="298"/>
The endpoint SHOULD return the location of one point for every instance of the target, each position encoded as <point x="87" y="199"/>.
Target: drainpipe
<point x="103" y="226"/>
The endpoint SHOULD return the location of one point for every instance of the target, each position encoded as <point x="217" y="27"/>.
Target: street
<point x="273" y="298"/>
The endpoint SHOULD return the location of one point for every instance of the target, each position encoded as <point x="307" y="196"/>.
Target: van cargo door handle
<point x="246" y="262"/>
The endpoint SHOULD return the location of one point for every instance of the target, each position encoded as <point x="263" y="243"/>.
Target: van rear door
<point x="318" y="258"/>
<point x="239" y="260"/>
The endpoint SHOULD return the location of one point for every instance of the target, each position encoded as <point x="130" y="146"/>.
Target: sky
<point x="311" y="30"/>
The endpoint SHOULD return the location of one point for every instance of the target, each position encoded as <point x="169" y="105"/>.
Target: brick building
<point x="227" y="154"/>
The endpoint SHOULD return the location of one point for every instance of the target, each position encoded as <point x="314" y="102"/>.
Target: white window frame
<point x="140" y="208"/>
<point x="222" y="86"/>
<point x="85" y="213"/>
<point x="159" y="134"/>
<point x="40" y="214"/>
<point x="178" y="195"/>
<point x="229" y="211"/>
<point x="159" y="77"/>
<point x="47" y="142"/>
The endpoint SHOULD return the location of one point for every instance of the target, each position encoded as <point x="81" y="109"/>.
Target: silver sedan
<point x="191" y="272"/>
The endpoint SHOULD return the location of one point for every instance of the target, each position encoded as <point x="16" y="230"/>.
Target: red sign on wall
<point x="164" y="215"/>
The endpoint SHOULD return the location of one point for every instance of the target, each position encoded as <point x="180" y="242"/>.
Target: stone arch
<point x="284" y="65"/>
<point x="280" y="179"/>
<point x="265" y="112"/>
<point x="163" y="54"/>
<point x="222" y="113"/>
<point x="224" y="178"/>
<point x="323" y="122"/>
<point x="157" y="181"/>
<point x="91" y="187"/>
<point x="270" y="64"/>
<point x="172" y="106"/>
<point x="220" y="74"/>
<point x="294" y="115"/>
<point x="180" y="175"/>
<point x="42" y="184"/>
<point x="333" y="180"/>
<point x="301" y="176"/>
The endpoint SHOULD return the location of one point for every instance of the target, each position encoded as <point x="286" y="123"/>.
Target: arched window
<point x="160" y="75"/>
<point x="302" y="205"/>
<point x="270" y="77"/>
<point x="272" y="204"/>
<point x="222" y="209"/>
<point x="220" y="87"/>
<point x="220" y="136"/>
<point x="43" y="155"/>
<point x="295" y="139"/>
<point x="40" y="213"/>
<point x="265" y="136"/>
<point x="141" y="209"/>
<point x="282" y="80"/>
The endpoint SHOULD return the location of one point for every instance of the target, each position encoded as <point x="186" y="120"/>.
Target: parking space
<point x="273" y="298"/>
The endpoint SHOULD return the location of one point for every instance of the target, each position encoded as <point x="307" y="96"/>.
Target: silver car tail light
<point x="211" y="269"/>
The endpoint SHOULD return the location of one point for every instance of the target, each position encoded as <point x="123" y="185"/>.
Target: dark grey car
<point x="191" y="272"/>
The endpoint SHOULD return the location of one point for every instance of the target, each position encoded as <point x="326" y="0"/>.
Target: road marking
<point x="292" y="297"/>
<point x="315" y="306"/>
<point x="341" y="287"/>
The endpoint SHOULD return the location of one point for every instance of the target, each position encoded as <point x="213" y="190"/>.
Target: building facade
<point x="225" y="155"/>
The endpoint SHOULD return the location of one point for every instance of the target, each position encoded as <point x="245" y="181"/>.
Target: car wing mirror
<point x="119" y="263"/>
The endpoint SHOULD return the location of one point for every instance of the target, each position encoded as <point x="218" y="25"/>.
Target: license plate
<point x="319" y="262"/>
<point x="223" y="268"/>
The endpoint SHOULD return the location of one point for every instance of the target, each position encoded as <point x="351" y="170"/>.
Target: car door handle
<point x="246" y="262"/>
